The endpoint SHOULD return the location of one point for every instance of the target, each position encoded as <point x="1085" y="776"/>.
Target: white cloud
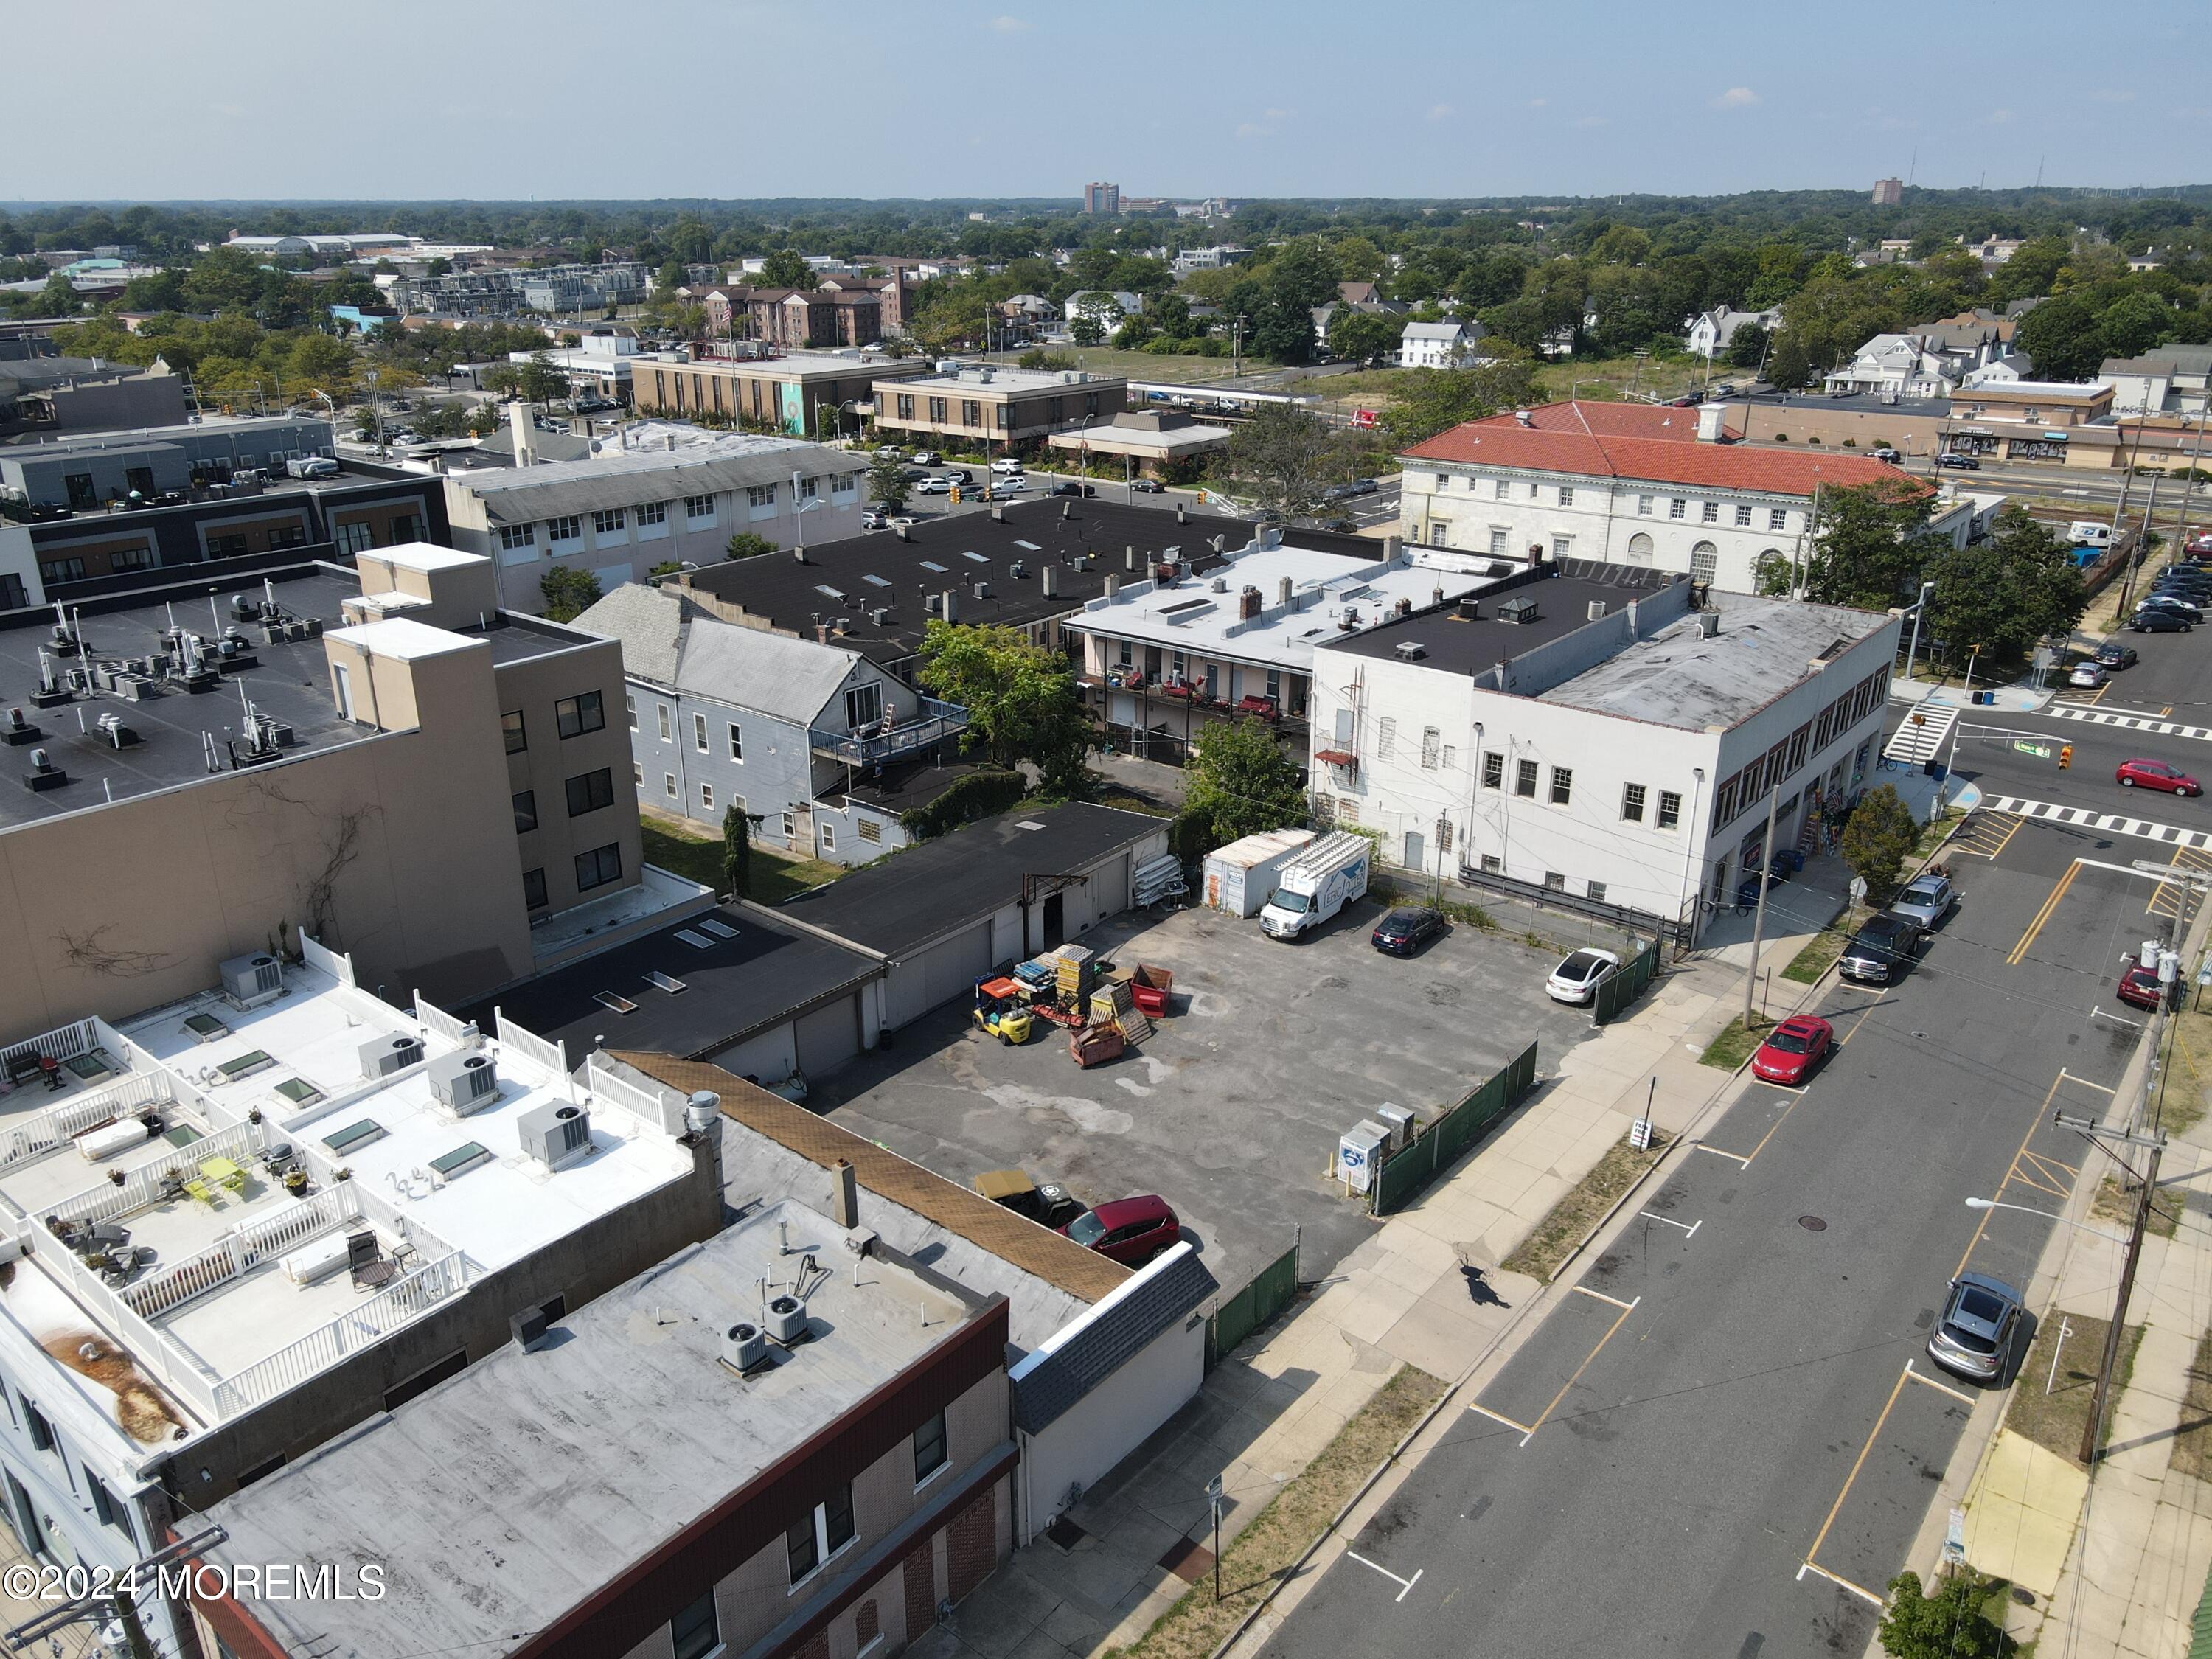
<point x="1591" y="121"/>
<point x="1252" y="130"/>
<point x="1439" y="112"/>
<point x="1011" y="25"/>
<point x="1538" y="103"/>
<point x="1998" y="118"/>
<point x="1266" y="125"/>
<point x="1736" y="98"/>
<point x="1278" y="115"/>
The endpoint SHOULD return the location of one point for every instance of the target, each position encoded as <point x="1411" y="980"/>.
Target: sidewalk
<point x="1403" y="1297"/>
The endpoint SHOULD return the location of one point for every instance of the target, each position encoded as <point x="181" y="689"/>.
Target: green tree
<point x="1747" y="347"/>
<point x="1878" y="837"/>
<point x="2133" y="324"/>
<point x="1772" y="574"/>
<point x="1086" y="329"/>
<point x="786" y="268"/>
<point x="1428" y="401"/>
<point x="1787" y="366"/>
<point x="321" y="361"/>
<point x="539" y="380"/>
<point x="887" y="484"/>
<point x="1239" y="781"/>
<point x="224" y="279"/>
<point x="1949" y="1625"/>
<point x="568" y="594"/>
<point x="1867" y="542"/>
<point x="1283" y="459"/>
<point x="747" y="545"/>
<point x="2003" y="594"/>
<point x="1021" y="699"/>
<point x="2061" y="335"/>
<point x="737" y="853"/>
<point x="1361" y="336"/>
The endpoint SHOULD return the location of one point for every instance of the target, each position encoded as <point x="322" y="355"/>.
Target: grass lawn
<point x="2190" y="1088"/>
<point x="1737" y="1042"/>
<point x="1540" y="1255"/>
<point x="1809" y="963"/>
<point x="776" y="877"/>
<point x="1142" y="365"/>
<point x="1264" y="1551"/>
<point x="2054" y="1420"/>
<point x="2114" y="1203"/>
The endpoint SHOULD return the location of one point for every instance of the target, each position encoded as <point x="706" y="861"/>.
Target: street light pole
<point x="1689" y="910"/>
<point x="1919" y="606"/>
<point x="1943" y="783"/>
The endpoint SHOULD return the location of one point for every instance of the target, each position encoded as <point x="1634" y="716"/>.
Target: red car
<point x="2138" y="986"/>
<point x="2157" y="775"/>
<point x="1792" y="1049"/>
<point x="1132" y="1231"/>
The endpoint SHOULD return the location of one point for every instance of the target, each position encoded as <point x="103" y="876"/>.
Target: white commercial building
<point x="1588" y="737"/>
<point x="1659" y="488"/>
<point x="621" y="512"/>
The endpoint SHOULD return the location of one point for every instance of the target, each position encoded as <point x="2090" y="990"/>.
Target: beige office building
<point x="988" y="405"/>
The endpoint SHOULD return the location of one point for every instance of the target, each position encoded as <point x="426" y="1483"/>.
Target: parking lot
<point x="1232" y="1109"/>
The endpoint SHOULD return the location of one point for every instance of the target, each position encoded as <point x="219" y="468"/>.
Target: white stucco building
<point x="1588" y="736"/>
<point x="1659" y="488"/>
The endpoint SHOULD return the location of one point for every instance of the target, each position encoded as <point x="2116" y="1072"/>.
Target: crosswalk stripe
<point x="2148" y="724"/>
<point x="2083" y="818"/>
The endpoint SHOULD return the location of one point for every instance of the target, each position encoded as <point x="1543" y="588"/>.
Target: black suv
<point x="1880" y="950"/>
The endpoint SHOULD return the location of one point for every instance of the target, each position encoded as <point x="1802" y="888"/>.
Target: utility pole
<point x="1759" y="920"/>
<point x="2092" y="1432"/>
<point x="1236" y="348"/>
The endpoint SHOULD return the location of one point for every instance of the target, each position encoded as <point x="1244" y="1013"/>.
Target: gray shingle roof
<point x="1048" y="1383"/>
<point x="673" y="642"/>
<point x="607" y="481"/>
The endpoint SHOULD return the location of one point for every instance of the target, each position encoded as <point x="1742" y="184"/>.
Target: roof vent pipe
<point x="950" y="611"/>
<point x="1283" y="591"/>
<point x="844" y="1194"/>
<point x="1129" y="558"/>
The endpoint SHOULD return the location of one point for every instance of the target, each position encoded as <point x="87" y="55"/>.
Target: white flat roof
<point x="426" y="555"/>
<point x="404" y="638"/>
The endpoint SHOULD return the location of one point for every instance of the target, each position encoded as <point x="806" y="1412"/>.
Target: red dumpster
<point x="1148" y="985"/>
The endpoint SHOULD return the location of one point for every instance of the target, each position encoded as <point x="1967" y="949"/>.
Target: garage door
<point x="827" y="1037"/>
<point x="950" y="970"/>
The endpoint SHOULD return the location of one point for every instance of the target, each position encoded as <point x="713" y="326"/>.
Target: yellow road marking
<point x="2043" y="1173"/>
<point x="1626" y="1308"/>
<point x="1719" y="1152"/>
<point x="1857" y="1463"/>
<point x="1599" y="1296"/>
<point x="2027" y="938"/>
<point x="2067" y="1077"/>
<point x="1500" y="1417"/>
<point x="1975" y="840"/>
<point x="1860" y="1590"/>
<point x="1940" y="1388"/>
<point x="2035" y="1124"/>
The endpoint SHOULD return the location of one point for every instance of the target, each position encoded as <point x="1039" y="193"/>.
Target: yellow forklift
<point x="1000" y="1012"/>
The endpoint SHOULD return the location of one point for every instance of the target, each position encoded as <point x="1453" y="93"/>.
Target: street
<point x="1726" y="1431"/>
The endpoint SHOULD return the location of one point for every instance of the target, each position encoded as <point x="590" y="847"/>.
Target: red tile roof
<point x="1643" y="443"/>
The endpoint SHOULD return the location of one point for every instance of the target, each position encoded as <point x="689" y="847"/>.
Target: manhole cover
<point x="1812" y="1224"/>
<point x="2024" y="1595"/>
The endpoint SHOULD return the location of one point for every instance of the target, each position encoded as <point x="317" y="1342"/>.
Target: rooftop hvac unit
<point x="1409" y="651"/>
<point x="466" y="1082"/>
<point x="388" y="1054"/>
<point x="1596" y="609"/>
<point x="555" y="1135"/>
<point x="743" y="1346"/>
<point x="786" y="1319"/>
<point x="250" y="981"/>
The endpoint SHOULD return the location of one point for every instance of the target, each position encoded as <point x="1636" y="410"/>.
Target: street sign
<point x="2040" y="751"/>
<point x="1639" y="1135"/>
<point x="1363" y="417"/>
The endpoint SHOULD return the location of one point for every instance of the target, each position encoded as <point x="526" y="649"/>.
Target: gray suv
<point x="1974" y="1334"/>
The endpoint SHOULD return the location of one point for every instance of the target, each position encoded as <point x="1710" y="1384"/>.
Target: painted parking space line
<point x="1964" y="1399"/>
<point x="2012" y="1170"/>
<point x="1812" y="1563"/>
<point x="2045" y="1175"/>
<point x="2084" y="817"/>
<point x="1407" y="1584"/>
<point x="1986" y="834"/>
<point x="1522" y="1429"/>
<point x="1719" y="1152"/>
<point x="1689" y="1229"/>
<point x="1626" y="1308"/>
<point x="1860" y="1590"/>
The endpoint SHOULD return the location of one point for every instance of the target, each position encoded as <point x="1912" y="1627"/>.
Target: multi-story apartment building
<point x="86" y="473"/>
<point x="379" y="754"/>
<point x="620" y="513"/>
<point x="557" y="289"/>
<point x="995" y="406"/>
<point x="805" y="393"/>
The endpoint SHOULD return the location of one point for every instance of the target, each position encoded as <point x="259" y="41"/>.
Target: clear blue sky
<point x="151" y="99"/>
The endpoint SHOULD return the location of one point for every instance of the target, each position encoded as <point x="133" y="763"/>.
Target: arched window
<point x="1704" y="562"/>
<point x="1640" y="549"/>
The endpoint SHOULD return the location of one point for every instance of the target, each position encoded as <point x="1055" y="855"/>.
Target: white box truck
<point x="1316" y="884"/>
<point x="2088" y="533"/>
<point x="1240" y="876"/>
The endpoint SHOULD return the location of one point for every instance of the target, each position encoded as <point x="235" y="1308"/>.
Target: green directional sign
<point x="2040" y="751"/>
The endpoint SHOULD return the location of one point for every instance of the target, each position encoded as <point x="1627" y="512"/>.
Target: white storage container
<point x="1240" y="876"/>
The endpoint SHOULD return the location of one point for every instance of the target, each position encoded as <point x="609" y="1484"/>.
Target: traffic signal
<point x="2065" y="755"/>
<point x="955" y="494"/>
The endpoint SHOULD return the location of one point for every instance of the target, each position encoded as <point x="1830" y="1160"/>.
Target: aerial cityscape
<point x="1329" y="864"/>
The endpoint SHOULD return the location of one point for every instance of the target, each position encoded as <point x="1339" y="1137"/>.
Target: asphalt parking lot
<point x="1232" y="1111"/>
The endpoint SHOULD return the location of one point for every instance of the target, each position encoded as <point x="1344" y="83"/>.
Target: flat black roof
<point x="288" y="681"/>
<point x="928" y="890"/>
<point x="1033" y="533"/>
<point x="732" y="988"/>
<point x="1471" y="646"/>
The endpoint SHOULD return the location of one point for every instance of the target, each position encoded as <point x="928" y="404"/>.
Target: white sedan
<point x="1577" y="979"/>
<point x="2088" y="676"/>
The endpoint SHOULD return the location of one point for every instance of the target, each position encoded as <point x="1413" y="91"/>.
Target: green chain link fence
<point x="1623" y="988"/>
<point x="1270" y="1292"/>
<point x="1444" y="1140"/>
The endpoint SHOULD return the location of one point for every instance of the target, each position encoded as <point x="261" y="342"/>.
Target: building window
<point x="937" y="406"/>
<point x="42" y="1431"/>
<point x="871" y="831"/>
<point x="1492" y="864"/>
<point x="533" y="889"/>
<point x="1503" y="487"/>
<point x="1677" y="507"/>
<point x="971" y="412"/>
<point x="1386" y="737"/>
<point x="589" y="791"/>
<point x="737" y="741"/>
<point x="226" y="547"/>
<point x="903" y="407"/>
<point x="61" y="570"/>
<point x="706" y="797"/>
<point x="1597" y="891"/>
<point x="1777" y="519"/>
<point x="699" y="732"/>
<point x="510" y="726"/>
<point x="760" y="494"/>
<point x="567" y="529"/>
<point x="929" y="1453"/>
<point x="1709" y="513"/>
<point x="1562" y="546"/>
<point x="574" y="716"/>
<point x="1563" y="785"/>
<point x="661" y="709"/>
<point x="668" y="785"/>
<point x="1742" y="516"/>
<point x="1566" y="495"/>
<point x="790" y="826"/>
<point x="1524" y="780"/>
<point x="1497" y="546"/>
<point x="1494" y="769"/>
<point x="1704" y="562"/>
<point x="694" y="1633"/>
<point x="1631" y="803"/>
<point x="598" y="866"/>
<point x="1670" y="809"/>
<point x="629" y="705"/>
<point x="829" y="837"/>
<point x="1431" y="741"/>
<point x="1642" y="506"/>
<point x="651" y="512"/>
<point x="1554" y="881"/>
<point x="607" y="523"/>
<point x="360" y="538"/>
<point x="526" y="810"/>
<point x="512" y="536"/>
<point x="814" y="1538"/>
<point x="698" y="507"/>
<point x="637" y="774"/>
